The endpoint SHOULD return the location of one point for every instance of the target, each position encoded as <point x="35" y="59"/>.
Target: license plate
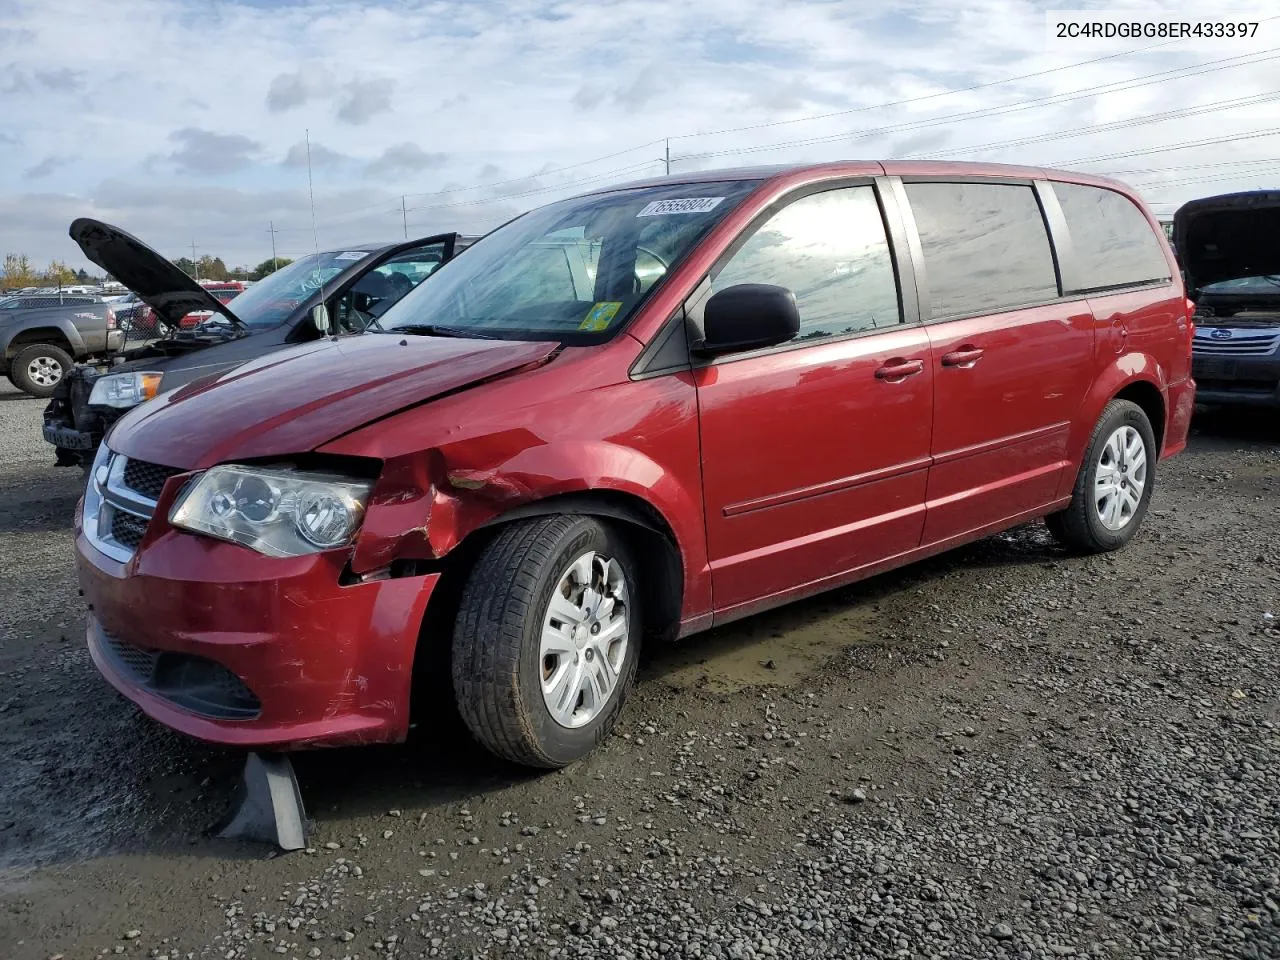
<point x="67" y="438"/>
<point x="1213" y="368"/>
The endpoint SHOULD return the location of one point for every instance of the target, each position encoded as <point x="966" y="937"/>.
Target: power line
<point x="547" y="189"/>
<point x="1060" y="98"/>
<point x="1191" y="181"/>
<point x="1187" y="145"/>
<point x="1190" y="166"/>
<point x="932" y="96"/>
<point x="353" y="216"/>
<point x="1140" y="120"/>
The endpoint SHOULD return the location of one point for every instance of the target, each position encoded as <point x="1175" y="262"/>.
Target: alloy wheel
<point x="44" y="371"/>
<point x="1120" y="478"/>
<point x="584" y="639"/>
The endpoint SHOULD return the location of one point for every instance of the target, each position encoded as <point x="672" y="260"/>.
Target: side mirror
<point x="320" y="317"/>
<point x="748" y="316"/>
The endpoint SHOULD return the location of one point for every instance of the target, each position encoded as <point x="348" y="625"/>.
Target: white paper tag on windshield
<point x="352" y="255"/>
<point x="664" y="208"/>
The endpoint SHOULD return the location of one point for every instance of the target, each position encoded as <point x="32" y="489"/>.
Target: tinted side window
<point x="1113" y="242"/>
<point x="986" y="248"/>
<point x="830" y="250"/>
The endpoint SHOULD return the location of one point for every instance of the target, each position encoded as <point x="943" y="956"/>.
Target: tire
<point x="499" y="662"/>
<point x="32" y="365"/>
<point x="1083" y="526"/>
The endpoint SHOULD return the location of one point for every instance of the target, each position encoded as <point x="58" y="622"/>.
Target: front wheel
<point x="547" y="638"/>
<point x="39" y="368"/>
<point x="1113" y="488"/>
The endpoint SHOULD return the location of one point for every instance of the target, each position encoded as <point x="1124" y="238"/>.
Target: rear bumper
<point x="235" y="648"/>
<point x="1182" y="402"/>
<point x="115" y="341"/>
<point x="1251" y="381"/>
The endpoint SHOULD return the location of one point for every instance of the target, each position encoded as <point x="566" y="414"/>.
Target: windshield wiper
<point x="440" y="330"/>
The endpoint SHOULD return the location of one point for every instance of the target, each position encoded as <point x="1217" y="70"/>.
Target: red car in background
<point x="224" y="290"/>
<point x="145" y="323"/>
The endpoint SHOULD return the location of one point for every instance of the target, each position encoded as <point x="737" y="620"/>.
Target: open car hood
<point x="1229" y="236"/>
<point x="160" y="284"/>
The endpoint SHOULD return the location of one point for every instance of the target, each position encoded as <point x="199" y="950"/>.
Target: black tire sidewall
<point x="18" y="368"/>
<point x="559" y="744"/>
<point x="1123" y="414"/>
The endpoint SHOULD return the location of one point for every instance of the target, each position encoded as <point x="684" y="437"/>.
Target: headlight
<point x="124" y="389"/>
<point x="279" y="512"/>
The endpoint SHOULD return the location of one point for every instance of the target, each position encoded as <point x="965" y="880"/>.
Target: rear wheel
<point x="546" y="640"/>
<point x="1114" y="485"/>
<point x="39" y="368"/>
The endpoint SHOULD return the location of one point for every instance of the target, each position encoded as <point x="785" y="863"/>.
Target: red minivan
<point x="632" y="415"/>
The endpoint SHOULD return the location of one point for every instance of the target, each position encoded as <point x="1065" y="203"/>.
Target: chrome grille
<point x="127" y="529"/>
<point x="147" y="478"/>
<point x="120" y="501"/>
<point x="1242" y="342"/>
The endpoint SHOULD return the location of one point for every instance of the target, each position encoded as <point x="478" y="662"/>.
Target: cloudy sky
<point x="185" y="120"/>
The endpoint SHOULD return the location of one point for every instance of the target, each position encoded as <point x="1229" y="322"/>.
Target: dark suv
<point x="1229" y="248"/>
<point x="356" y="284"/>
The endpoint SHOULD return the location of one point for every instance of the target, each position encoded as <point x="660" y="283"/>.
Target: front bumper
<point x="72" y="426"/>
<point x="1252" y="381"/>
<point x="232" y="647"/>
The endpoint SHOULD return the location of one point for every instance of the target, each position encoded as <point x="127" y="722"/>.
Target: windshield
<point x="274" y="298"/>
<point x="1263" y="285"/>
<point x="573" y="271"/>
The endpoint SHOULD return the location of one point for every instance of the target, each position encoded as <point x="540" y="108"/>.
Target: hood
<point x="156" y="281"/>
<point x="297" y="399"/>
<point x="1227" y="237"/>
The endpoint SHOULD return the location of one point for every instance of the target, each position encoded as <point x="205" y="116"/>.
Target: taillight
<point x="111" y="319"/>
<point x="1191" y="321"/>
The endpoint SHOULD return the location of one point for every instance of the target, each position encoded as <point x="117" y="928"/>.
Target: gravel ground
<point x="1004" y="752"/>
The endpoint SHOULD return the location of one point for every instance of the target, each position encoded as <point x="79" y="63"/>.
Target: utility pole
<point x="668" y="157"/>
<point x="275" y="262"/>
<point x="404" y="217"/>
<point x="195" y="264"/>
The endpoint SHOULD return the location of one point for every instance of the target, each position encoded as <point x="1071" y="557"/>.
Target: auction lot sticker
<point x="665" y="208"/>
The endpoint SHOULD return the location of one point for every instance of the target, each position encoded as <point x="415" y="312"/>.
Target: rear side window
<point x="830" y="250"/>
<point x="1113" y="242"/>
<point x="986" y="248"/>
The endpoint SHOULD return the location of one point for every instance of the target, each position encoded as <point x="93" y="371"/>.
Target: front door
<point x="1011" y="368"/>
<point x="815" y="454"/>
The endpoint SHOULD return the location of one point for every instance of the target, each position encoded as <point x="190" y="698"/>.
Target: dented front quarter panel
<point x="568" y="426"/>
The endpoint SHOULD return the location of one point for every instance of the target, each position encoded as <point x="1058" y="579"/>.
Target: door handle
<point x="965" y="356"/>
<point x="899" y="368"/>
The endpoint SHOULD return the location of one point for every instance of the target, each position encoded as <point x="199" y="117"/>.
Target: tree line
<point x="19" y="271"/>
<point x="213" y="268"/>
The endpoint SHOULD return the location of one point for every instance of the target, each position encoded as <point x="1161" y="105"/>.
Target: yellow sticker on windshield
<point x="599" y="316"/>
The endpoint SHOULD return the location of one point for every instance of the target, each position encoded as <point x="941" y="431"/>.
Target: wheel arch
<point x="54" y="336"/>
<point x="1136" y="377"/>
<point x="1151" y="400"/>
<point x="647" y="532"/>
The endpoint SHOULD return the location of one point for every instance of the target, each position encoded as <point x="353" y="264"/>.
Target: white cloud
<point x="404" y="158"/>
<point x="200" y="136"/>
<point x="289" y="90"/>
<point x="362" y="100"/>
<point x="203" y="151"/>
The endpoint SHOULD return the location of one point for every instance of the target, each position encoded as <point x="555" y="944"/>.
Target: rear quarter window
<point x="1114" y="245"/>
<point x="986" y="247"/>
